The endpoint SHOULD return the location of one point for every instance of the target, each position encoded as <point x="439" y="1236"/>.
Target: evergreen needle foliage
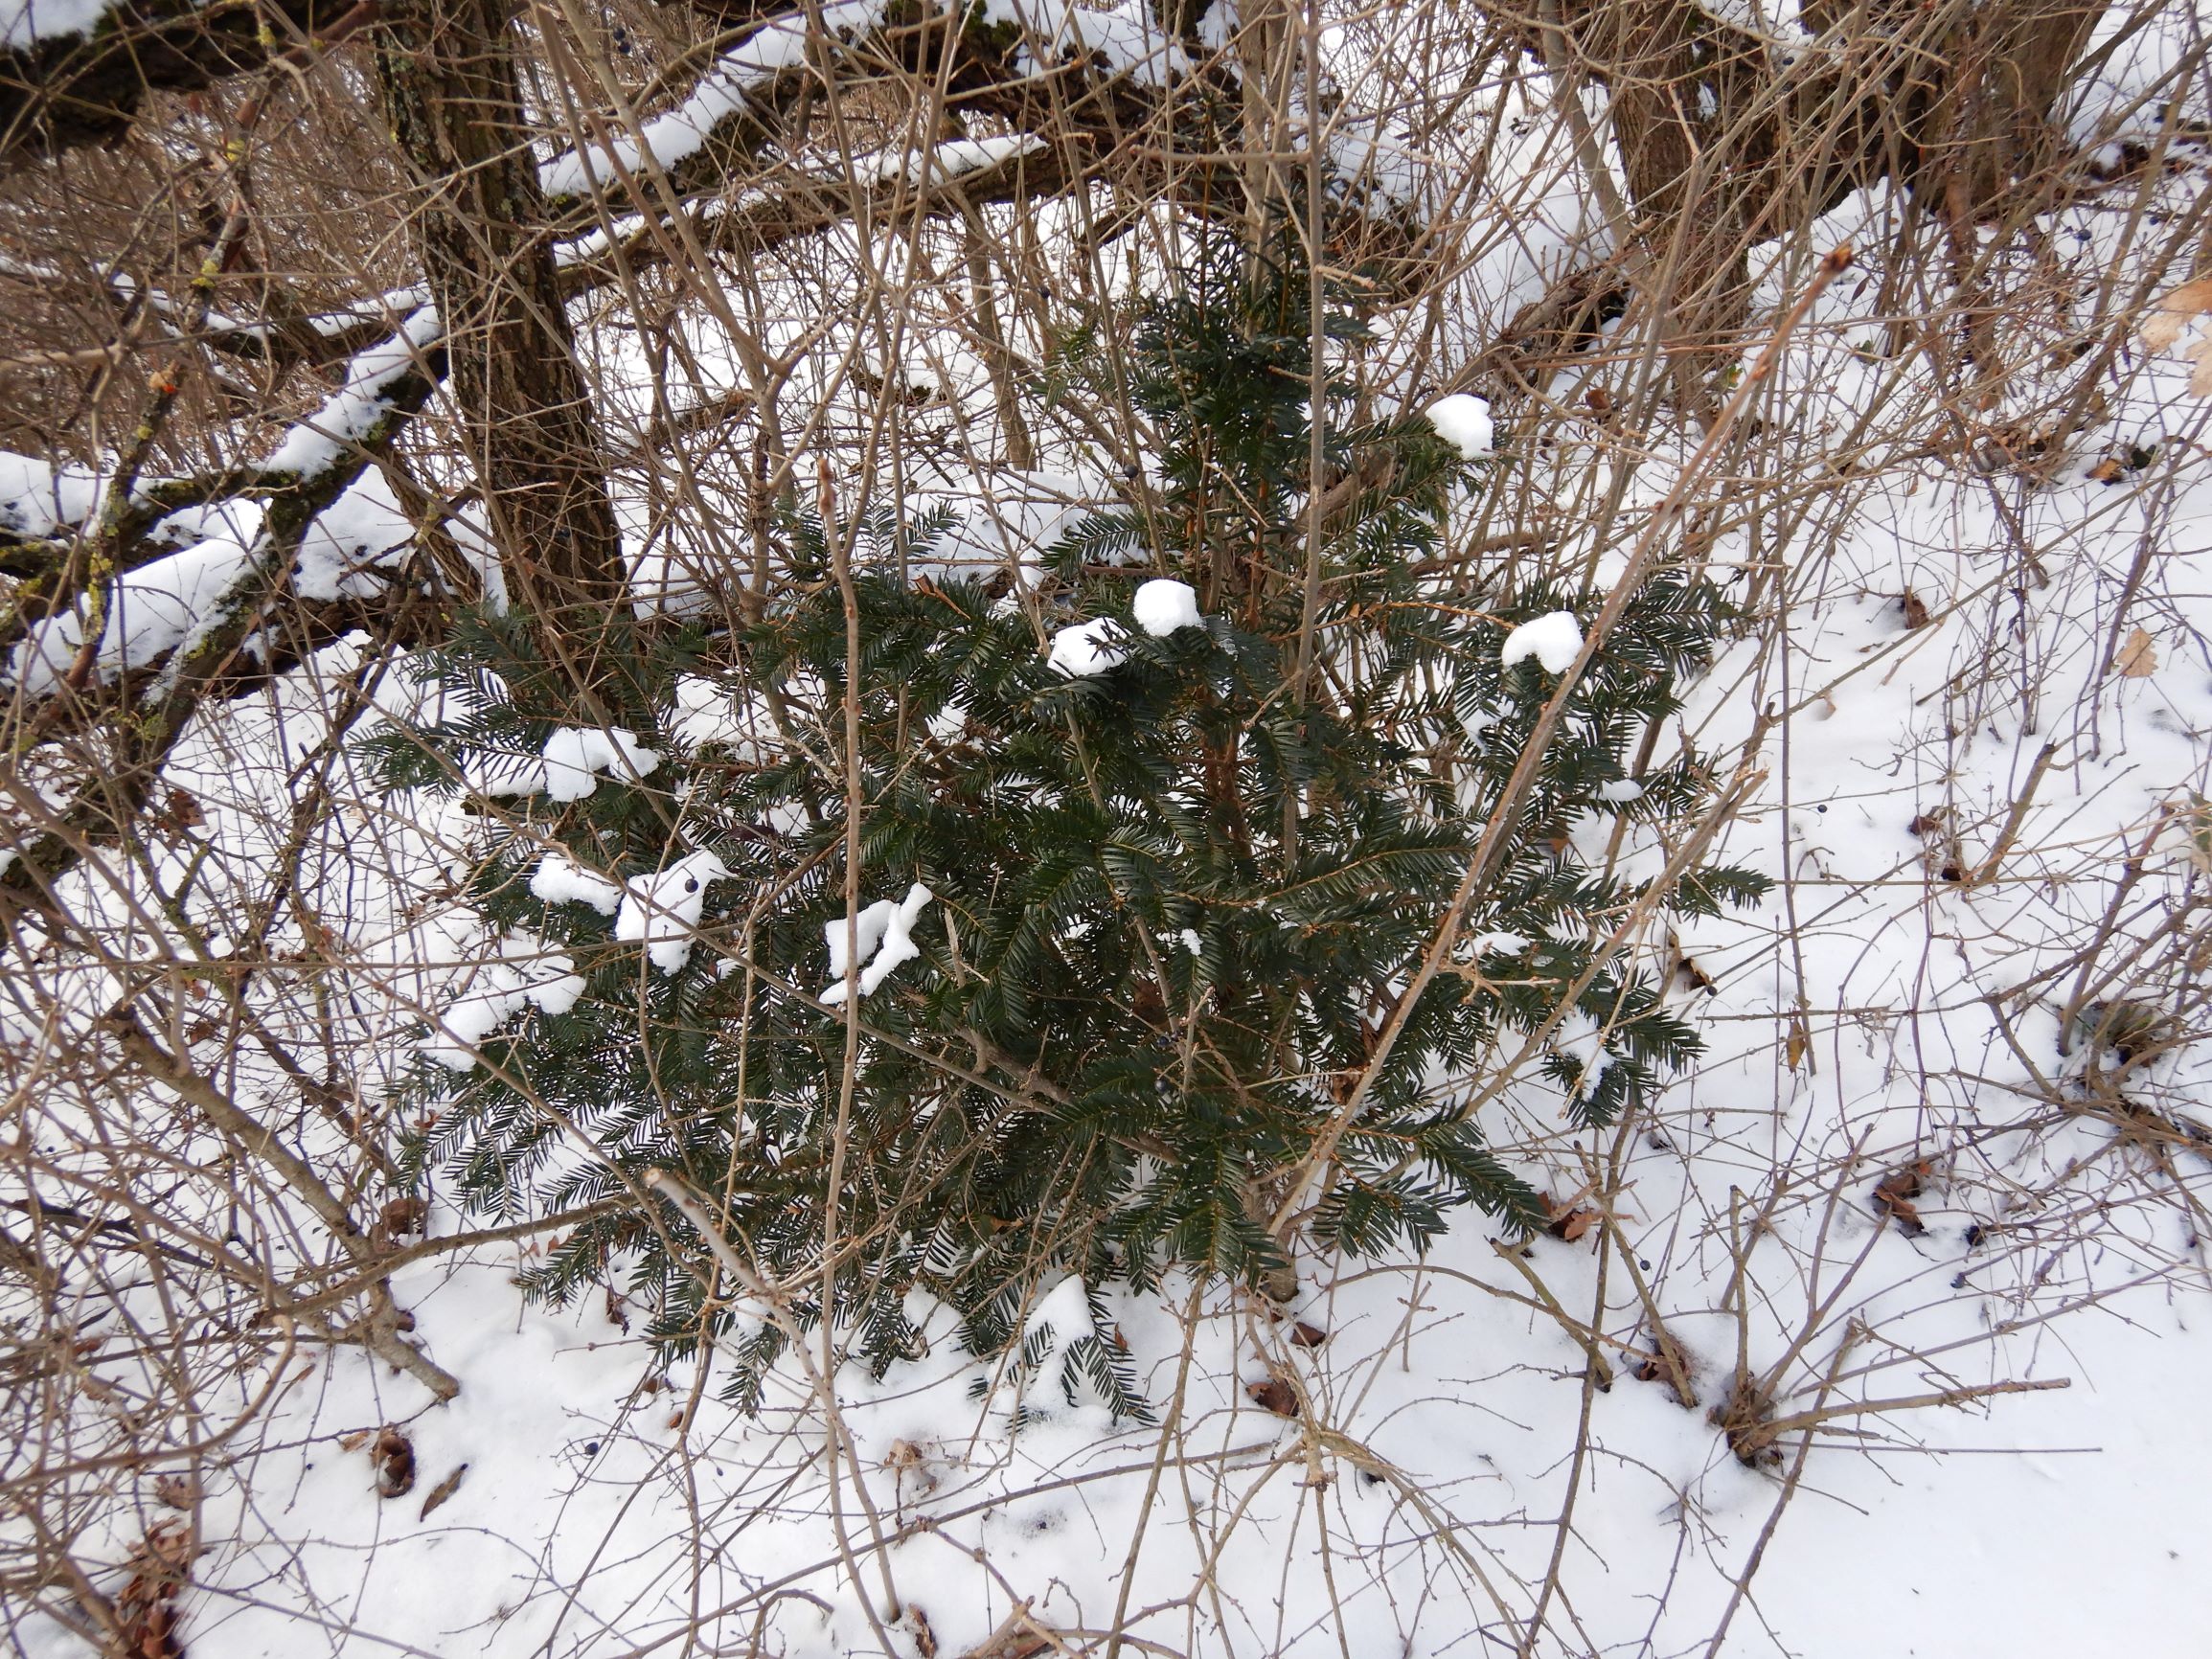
<point x="1176" y="903"/>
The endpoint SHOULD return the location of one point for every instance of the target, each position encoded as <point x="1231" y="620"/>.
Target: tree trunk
<point x="1725" y="144"/>
<point x="447" y="72"/>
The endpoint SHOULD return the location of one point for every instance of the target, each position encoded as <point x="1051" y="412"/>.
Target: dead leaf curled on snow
<point x="1894" y="1195"/>
<point x="2176" y="312"/>
<point x="443" y="1490"/>
<point x="2172" y="313"/>
<point x="1570" y="1219"/>
<point x="394" y="1456"/>
<point x="1274" y="1395"/>
<point x="2139" y="657"/>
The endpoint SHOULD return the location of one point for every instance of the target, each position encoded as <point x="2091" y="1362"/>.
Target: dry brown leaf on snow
<point x="2175" y="311"/>
<point x="394" y="1457"/>
<point x="2137" y="658"/>
<point x="1570" y="1218"/>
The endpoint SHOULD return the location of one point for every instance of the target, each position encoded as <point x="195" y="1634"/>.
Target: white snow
<point x="150" y="612"/>
<point x="37" y="498"/>
<point x="1554" y="639"/>
<point x="1088" y="648"/>
<point x="349" y="412"/>
<point x="525" y="971"/>
<point x="560" y="881"/>
<point x="884" y="933"/>
<point x="954" y="158"/>
<point x="364" y="531"/>
<point x="1621" y="789"/>
<point x="575" y="755"/>
<point x="1063" y="1311"/>
<point x="1163" y="606"/>
<point x="1462" y="421"/>
<point x="720" y="94"/>
<point x="25" y="22"/>
<point x="662" y="910"/>
<point x="1125" y="36"/>
<point x="1581" y="1039"/>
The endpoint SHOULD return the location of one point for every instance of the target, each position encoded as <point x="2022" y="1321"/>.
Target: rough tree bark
<point x="480" y="222"/>
<point x="1727" y="139"/>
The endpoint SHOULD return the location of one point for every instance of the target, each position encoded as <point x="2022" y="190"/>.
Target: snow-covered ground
<point x="1877" y="1332"/>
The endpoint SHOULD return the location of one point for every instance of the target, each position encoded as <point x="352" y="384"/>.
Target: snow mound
<point x="1463" y="422"/>
<point x="1162" y="606"/>
<point x="662" y="910"/>
<point x="575" y="756"/>
<point x="560" y="880"/>
<point x="1555" y="640"/>
<point x="1088" y="648"/>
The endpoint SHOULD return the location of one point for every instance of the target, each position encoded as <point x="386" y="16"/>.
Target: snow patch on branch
<point x="1126" y="37"/>
<point x="955" y="158"/>
<point x="36" y="498"/>
<point x="1088" y="648"/>
<point x="559" y="879"/>
<point x="352" y="413"/>
<point x="575" y="755"/>
<point x="1162" y="606"/>
<point x="885" y="937"/>
<point x="150" y="612"/>
<point x="525" y="971"/>
<point x="1463" y="422"/>
<point x="721" y="93"/>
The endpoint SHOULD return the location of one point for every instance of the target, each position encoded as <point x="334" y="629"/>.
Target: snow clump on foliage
<point x="1088" y="648"/>
<point x="1164" y="606"/>
<point x="884" y="934"/>
<point x="575" y="756"/>
<point x="1554" y="639"/>
<point x="1463" y="422"/>
<point x="663" y="909"/>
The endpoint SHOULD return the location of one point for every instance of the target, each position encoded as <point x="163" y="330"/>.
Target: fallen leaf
<point x="394" y="1458"/>
<point x="443" y="1490"/>
<point x="1570" y="1220"/>
<point x="1894" y="1194"/>
<point x="1275" y="1395"/>
<point x="2173" y="313"/>
<point x="1915" y="609"/>
<point x="2107" y="471"/>
<point x="177" y="1491"/>
<point x="2138" y="658"/>
<point x="1305" y="1336"/>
